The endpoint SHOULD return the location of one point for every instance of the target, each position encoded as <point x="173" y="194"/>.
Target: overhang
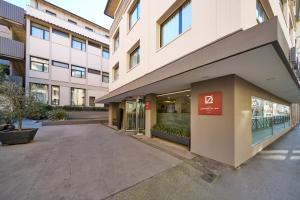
<point x="259" y="55"/>
<point x="111" y="7"/>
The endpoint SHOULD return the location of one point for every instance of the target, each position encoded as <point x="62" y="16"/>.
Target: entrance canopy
<point x="258" y="55"/>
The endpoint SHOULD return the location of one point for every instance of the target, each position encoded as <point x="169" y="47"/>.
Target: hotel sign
<point x="210" y="103"/>
<point x="148" y="103"/>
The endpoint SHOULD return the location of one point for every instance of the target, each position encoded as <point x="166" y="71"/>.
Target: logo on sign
<point x="209" y="99"/>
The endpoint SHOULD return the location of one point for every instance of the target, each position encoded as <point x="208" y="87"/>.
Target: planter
<point x="173" y="138"/>
<point x="17" y="137"/>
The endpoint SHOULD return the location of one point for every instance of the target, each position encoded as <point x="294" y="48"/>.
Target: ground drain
<point x="209" y="177"/>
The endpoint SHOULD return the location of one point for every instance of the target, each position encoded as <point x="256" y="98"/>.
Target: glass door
<point x="135" y="115"/>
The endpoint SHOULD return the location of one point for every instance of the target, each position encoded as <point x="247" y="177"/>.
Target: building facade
<point x="12" y="41"/>
<point x="66" y="56"/>
<point x="225" y="74"/>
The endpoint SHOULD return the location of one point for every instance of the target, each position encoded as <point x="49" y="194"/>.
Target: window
<point x="105" y="53"/>
<point x="55" y="94"/>
<point x="116" y="72"/>
<point x="78" y="72"/>
<point x="268" y="118"/>
<point x="105" y="77"/>
<point x="39" y="64"/>
<point x="179" y="22"/>
<point x="94" y="71"/>
<point x="72" y="22"/>
<point x="134" y="15"/>
<point x="116" y="41"/>
<point x="92" y="101"/>
<point x="50" y="13"/>
<point x="77" y="97"/>
<point x="261" y="15"/>
<point x="61" y="33"/>
<point x="39" y="31"/>
<point x="89" y="29"/>
<point x="78" y="44"/>
<point x="39" y="91"/>
<point x="134" y="59"/>
<point x="98" y="46"/>
<point x="60" y="64"/>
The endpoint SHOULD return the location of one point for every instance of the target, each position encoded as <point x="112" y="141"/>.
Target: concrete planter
<point x="17" y="137"/>
<point x="173" y="138"/>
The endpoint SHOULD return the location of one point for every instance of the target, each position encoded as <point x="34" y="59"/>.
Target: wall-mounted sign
<point x="210" y="103"/>
<point x="147" y="104"/>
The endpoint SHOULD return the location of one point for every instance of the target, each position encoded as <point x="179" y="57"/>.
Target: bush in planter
<point x="37" y="110"/>
<point x="171" y="130"/>
<point x="57" y="114"/>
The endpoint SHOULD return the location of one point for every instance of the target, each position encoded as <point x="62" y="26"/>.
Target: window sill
<point x="172" y="41"/>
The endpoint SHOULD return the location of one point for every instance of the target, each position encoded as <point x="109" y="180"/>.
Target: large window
<point x="77" y="97"/>
<point x="105" y="53"/>
<point x="134" y="15"/>
<point x="78" y="72"/>
<point x="39" y="64"/>
<point x="105" y="77"/>
<point x="116" y="41"/>
<point x="268" y="118"/>
<point x="179" y="22"/>
<point x="39" y="91"/>
<point x="55" y="94"/>
<point x="92" y="101"/>
<point x="134" y="58"/>
<point x="261" y="15"/>
<point x="60" y="64"/>
<point x="39" y="31"/>
<point x="116" y="72"/>
<point x="78" y="44"/>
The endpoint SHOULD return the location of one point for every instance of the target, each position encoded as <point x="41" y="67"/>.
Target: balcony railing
<point x="11" y="12"/>
<point x="15" y="79"/>
<point x="11" y="48"/>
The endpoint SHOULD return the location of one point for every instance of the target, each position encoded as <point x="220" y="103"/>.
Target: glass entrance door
<point x="135" y="115"/>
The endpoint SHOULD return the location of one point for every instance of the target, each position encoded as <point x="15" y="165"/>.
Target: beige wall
<point x="228" y="137"/>
<point x="213" y="136"/>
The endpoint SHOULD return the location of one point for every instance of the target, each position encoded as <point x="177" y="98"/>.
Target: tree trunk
<point x="20" y="119"/>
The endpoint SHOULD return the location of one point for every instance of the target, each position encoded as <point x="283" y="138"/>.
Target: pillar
<point x="151" y="111"/>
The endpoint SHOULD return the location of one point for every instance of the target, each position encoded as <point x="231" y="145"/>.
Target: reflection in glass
<point x="39" y="91"/>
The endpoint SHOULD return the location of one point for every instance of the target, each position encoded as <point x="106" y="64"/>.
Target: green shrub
<point x="37" y="110"/>
<point x="80" y="108"/>
<point x="57" y="114"/>
<point x="171" y="130"/>
<point x="7" y="117"/>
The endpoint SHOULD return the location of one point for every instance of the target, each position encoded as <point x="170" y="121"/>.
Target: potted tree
<point x="13" y="97"/>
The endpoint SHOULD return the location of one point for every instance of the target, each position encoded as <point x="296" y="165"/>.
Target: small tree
<point x="14" y="95"/>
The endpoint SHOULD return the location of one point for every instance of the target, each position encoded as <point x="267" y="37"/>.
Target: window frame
<point x="84" y="102"/>
<point x="60" y="33"/>
<point x="104" y="49"/>
<point x="89" y="29"/>
<point x="47" y="93"/>
<point x="165" y="21"/>
<point x="50" y="13"/>
<point x="58" y="95"/>
<point x="105" y="74"/>
<point x="94" y="71"/>
<point x="136" y="6"/>
<point x="264" y="11"/>
<point x="72" y="22"/>
<point x="42" y="28"/>
<point x="55" y="61"/>
<point x="116" y="40"/>
<point x="116" y="68"/>
<point x="81" y="76"/>
<point x="30" y="61"/>
<point x="82" y="44"/>
<point x="94" y="104"/>
<point x="135" y="49"/>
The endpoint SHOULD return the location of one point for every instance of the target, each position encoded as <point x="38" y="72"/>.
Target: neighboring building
<point x="66" y="56"/>
<point x="225" y="71"/>
<point x="12" y="40"/>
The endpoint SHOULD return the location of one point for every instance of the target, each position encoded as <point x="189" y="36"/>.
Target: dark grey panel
<point x="12" y="12"/>
<point x="11" y="48"/>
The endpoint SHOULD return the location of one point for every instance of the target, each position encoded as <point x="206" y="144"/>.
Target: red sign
<point x="210" y="103"/>
<point x="147" y="105"/>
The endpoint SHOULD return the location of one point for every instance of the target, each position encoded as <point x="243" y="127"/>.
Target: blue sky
<point x="92" y="10"/>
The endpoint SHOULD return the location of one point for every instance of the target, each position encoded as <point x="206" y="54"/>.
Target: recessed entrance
<point x="135" y="115"/>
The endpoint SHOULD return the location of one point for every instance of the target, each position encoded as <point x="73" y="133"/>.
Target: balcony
<point x="11" y="13"/>
<point x="41" y="15"/>
<point x="11" y="49"/>
<point x="15" y="79"/>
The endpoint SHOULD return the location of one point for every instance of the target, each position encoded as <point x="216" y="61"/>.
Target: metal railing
<point x="268" y="122"/>
<point x="11" y="48"/>
<point x="11" y="12"/>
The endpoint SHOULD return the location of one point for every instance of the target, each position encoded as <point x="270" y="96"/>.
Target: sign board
<point x="210" y="103"/>
<point x="148" y="105"/>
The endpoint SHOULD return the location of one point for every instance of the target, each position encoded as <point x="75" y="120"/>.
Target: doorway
<point x="135" y="115"/>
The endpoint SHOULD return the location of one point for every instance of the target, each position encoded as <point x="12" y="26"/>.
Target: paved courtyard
<point x="88" y="162"/>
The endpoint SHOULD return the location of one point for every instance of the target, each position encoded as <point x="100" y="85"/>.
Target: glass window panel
<point x="37" y="67"/>
<point x="186" y="17"/>
<point x="60" y="64"/>
<point x="77" y="97"/>
<point x="116" y="73"/>
<point x="94" y="71"/>
<point x="37" y="32"/>
<point x="105" y="77"/>
<point x="134" y="15"/>
<point x="55" y="94"/>
<point x="135" y="58"/>
<point x="39" y="91"/>
<point x="78" y="72"/>
<point x="92" y="101"/>
<point x="78" y="44"/>
<point x="38" y="64"/>
<point x="105" y="53"/>
<point x="170" y="29"/>
<point x="116" y="41"/>
<point x="60" y="33"/>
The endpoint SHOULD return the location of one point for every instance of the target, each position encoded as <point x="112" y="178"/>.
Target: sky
<point x="92" y="10"/>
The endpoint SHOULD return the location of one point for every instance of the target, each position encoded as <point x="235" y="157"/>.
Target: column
<point x="151" y="111"/>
